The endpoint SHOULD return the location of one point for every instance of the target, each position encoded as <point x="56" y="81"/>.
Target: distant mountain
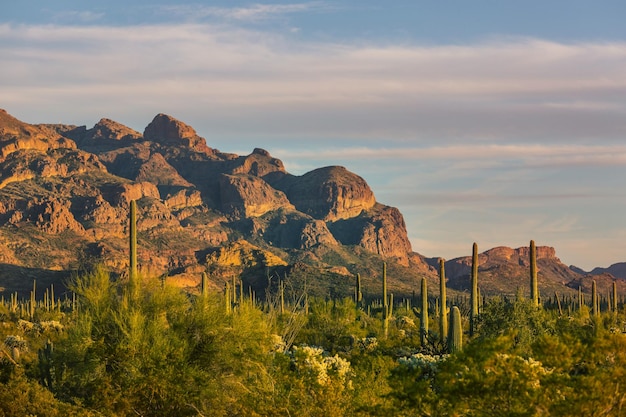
<point x="618" y="270"/>
<point x="504" y="270"/>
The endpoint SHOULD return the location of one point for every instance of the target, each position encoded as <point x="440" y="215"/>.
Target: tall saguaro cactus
<point x="204" y="286"/>
<point x="580" y="298"/>
<point x="227" y="298"/>
<point x="474" y="293"/>
<point x="614" y="299"/>
<point x="358" y="294"/>
<point x="594" y="299"/>
<point x="455" y="336"/>
<point x="132" y="273"/>
<point x="443" y="314"/>
<point x="424" y="312"/>
<point x="385" y="302"/>
<point x="534" y="292"/>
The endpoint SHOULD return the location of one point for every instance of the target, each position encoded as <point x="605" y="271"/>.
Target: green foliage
<point x="519" y="318"/>
<point x="24" y="397"/>
<point x="335" y="324"/>
<point x="170" y="353"/>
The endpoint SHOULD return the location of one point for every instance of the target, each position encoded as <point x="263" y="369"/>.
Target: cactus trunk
<point x="558" y="303"/>
<point x="227" y="298"/>
<point x="424" y="313"/>
<point x="204" y="286"/>
<point x="132" y="273"/>
<point x="358" y="294"/>
<point x="474" y="293"/>
<point x="594" y="299"/>
<point x="443" y="314"/>
<point x="534" y="292"/>
<point x="385" y="302"/>
<point x="455" y="336"/>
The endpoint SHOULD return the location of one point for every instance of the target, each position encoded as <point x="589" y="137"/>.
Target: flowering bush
<point x="323" y="369"/>
<point x="16" y="342"/>
<point x="36" y="328"/>
<point x="51" y="325"/>
<point x="367" y="344"/>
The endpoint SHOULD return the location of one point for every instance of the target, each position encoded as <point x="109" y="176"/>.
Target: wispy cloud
<point x="76" y="16"/>
<point x="493" y="154"/>
<point x="252" y="13"/>
<point x="514" y="88"/>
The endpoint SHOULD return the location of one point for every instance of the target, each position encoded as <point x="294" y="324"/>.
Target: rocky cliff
<point x="65" y="193"/>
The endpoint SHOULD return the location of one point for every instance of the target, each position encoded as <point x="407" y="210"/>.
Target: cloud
<point x="492" y="91"/>
<point x="252" y="13"/>
<point x="491" y="155"/>
<point x="77" y="16"/>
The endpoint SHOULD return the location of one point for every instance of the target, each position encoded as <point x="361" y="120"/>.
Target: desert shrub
<point x="518" y="318"/>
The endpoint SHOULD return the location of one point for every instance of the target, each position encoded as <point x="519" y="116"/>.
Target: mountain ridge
<point x="65" y="183"/>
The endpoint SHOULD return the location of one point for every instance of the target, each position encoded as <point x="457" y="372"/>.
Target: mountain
<point x="617" y="270"/>
<point x="65" y="193"/>
<point x="504" y="270"/>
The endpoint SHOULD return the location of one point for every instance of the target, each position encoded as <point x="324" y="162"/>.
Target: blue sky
<point x="493" y="122"/>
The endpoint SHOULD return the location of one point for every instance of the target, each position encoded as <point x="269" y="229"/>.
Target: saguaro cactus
<point x="614" y="299"/>
<point x="424" y="312"/>
<point x="443" y="314"/>
<point x="227" y="298"/>
<point x="474" y="293"/>
<point x="132" y="273"/>
<point x="32" y="301"/>
<point x="594" y="299"/>
<point x="204" y="286"/>
<point x="558" y="303"/>
<point x="534" y="292"/>
<point x="358" y="294"/>
<point x="385" y="302"/>
<point x="455" y="336"/>
<point x="581" y="299"/>
<point x="45" y="356"/>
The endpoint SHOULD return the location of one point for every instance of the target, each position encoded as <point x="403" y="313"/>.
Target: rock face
<point x="381" y="230"/>
<point x="249" y="196"/>
<point x="166" y="130"/>
<point x="16" y="135"/>
<point x="68" y="188"/>
<point x="329" y="194"/>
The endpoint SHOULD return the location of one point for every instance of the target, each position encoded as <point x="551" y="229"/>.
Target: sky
<point x="494" y="122"/>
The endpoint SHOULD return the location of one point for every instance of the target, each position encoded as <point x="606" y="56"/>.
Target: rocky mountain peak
<point x="16" y="135"/>
<point x="192" y="201"/>
<point x="167" y="130"/>
<point x="111" y="130"/>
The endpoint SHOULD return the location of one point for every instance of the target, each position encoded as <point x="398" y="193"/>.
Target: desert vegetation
<point x="138" y="346"/>
<point x="135" y="345"/>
